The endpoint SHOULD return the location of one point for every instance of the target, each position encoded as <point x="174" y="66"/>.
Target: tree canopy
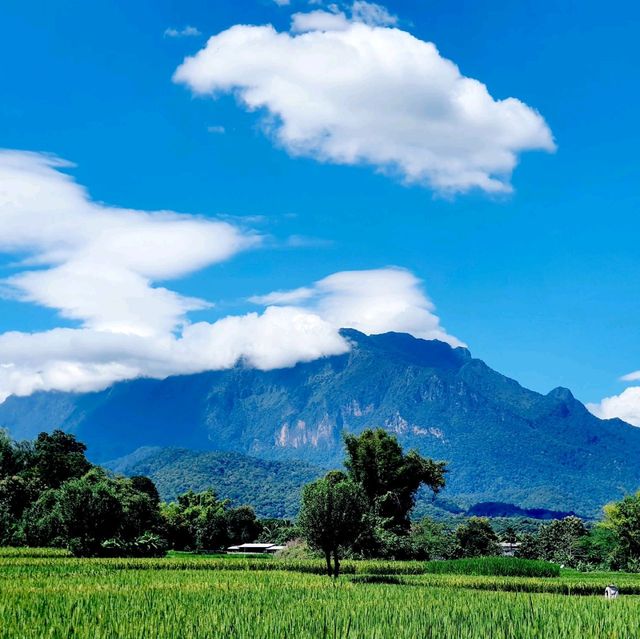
<point x="389" y="477"/>
<point x="331" y="517"/>
<point x="51" y="495"/>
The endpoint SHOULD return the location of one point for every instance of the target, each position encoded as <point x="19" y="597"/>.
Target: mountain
<point x="271" y="487"/>
<point x="504" y="443"/>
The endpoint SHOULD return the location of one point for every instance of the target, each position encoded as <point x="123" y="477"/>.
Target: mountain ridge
<point x="503" y="442"/>
<point x="272" y="487"/>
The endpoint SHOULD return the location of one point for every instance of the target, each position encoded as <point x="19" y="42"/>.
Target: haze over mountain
<point x="504" y="443"/>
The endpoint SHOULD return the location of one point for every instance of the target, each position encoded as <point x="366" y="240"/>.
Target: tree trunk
<point x="327" y="556"/>
<point x="336" y="564"/>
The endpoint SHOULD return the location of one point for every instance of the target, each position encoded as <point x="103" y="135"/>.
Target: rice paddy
<point x="42" y="595"/>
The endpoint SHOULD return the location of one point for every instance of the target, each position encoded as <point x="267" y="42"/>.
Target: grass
<point x="48" y="595"/>
<point x="502" y="566"/>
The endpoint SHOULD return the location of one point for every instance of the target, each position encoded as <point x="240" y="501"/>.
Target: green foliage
<point x="562" y="541"/>
<point x="273" y="488"/>
<point x="390" y="478"/>
<point x="146" y="545"/>
<point x="201" y="521"/>
<point x="50" y="495"/>
<point x="58" y="457"/>
<point x="84" y="513"/>
<point x="621" y="532"/>
<point x="277" y="531"/>
<point x="495" y="566"/>
<point x="476" y="538"/>
<point x="432" y="540"/>
<point x="331" y="517"/>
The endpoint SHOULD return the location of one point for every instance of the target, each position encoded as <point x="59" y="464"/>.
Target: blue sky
<point x="543" y="282"/>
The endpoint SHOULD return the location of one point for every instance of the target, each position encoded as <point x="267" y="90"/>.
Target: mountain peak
<point x="503" y="443"/>
<point x="562" y="394"/>
<point x="415" y="350"/>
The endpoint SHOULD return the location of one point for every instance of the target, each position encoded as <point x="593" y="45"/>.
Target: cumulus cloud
<point x="373" y="301"/>
<point x="369" y="13"/>
<point x="625" y="406"/>
<point x="319" y="20"/>
<point x="98" y="264"/>
<point x="372" y="14"/>
<point x="186" y="32"/>
<point x="85" y="360"/>
<point x="350" y="91"/>
<point x="101" y="267"/>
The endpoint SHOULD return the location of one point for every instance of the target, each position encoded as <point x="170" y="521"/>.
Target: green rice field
<point x="53" y="595"/>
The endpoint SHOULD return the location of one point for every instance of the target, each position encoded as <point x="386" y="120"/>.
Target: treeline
<point x="365" y="512"/>
<point x="51" y="495"/>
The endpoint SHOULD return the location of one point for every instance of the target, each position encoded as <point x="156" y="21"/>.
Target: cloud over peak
<point x="371" y="301"/>
<point x="101" y="266"/>
<point x="350" y="91"/>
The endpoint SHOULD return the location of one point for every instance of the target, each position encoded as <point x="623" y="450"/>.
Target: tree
<point x="58" y="457"/>
<point x="242" y="525"/>
<point x="432" y="540"/>
<point x="622" y="521"/>
<point x="559" y="541"/>
<point x="201" y="521"/>
<point x="476" y="538"/>
<point x="51" y="495"/>
<point x="601" y="548"/>
<point x="8" y="461"/>
<point x="390" y="478"/>
<point x="277" y="531"/>
<point x="331" y="516"/>
<point x="145" y="485"/>
<point x="509" y="535"/>
<point x="85" y="513"/>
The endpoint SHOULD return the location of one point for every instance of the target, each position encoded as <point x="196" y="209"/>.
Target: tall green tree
<point x="476" y="538"/>
<point x="201" y="521"/>
<point x="622" y="523"/>
<point x="332" y="516"/>
<point x="58" y="457"/>
<point x="560" y="541"/>
<point x="432" y="540"/>
<point x="86" y="512"/>
<point x="9" y="464"/>
<point x="389" y="477"/>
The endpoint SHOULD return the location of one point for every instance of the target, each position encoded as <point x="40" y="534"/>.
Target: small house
<point x="255" y="548"/>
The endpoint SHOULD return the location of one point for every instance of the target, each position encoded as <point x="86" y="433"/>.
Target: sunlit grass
<point x="215" y="598"/>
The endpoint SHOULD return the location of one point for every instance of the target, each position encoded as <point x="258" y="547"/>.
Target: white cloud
<point x="625" y="406"/>
<point x="283" y="297"/>
<point x="319" y="21"/>
<point x="361" y="94"/>
<point x="100" y="266"/>
<point x="282" y="3"/>
<point x="372" y="14"/>
<point x="631" y="377"/>
<point x="85" y="360"/>
<point x="186" y="32"/>
<point x="101" y="262"/>
<point x="216" y="128"/>
<point x="374" y="301"/>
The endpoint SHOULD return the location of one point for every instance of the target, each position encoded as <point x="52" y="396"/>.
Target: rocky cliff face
<point x="504" y="443"/>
